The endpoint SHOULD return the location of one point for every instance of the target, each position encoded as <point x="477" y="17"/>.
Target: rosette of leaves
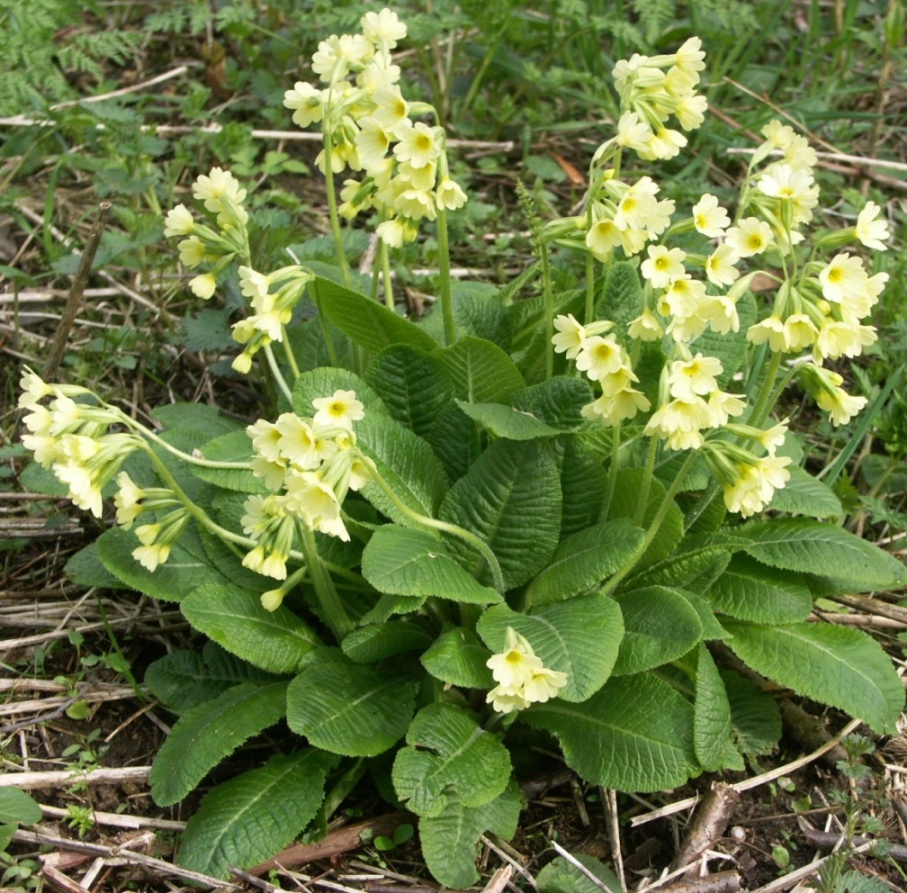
<point x="477" y="435"/>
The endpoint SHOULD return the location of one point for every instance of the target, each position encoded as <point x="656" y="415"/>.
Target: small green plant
<point x="17" y="808"/>
<point x="524" y="516"/>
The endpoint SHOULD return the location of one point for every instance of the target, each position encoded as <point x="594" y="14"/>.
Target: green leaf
<point x="584" y="560"/>
<point x="506" y="421"/>
<point x="711" y="715"/>
<point x="625" y="502"/>
<point x="187" y="568"/>
<point x="755" y="716"/>
<point x="399" y="561"/>
<point x="480" y="371"/>
<point x="454" y="437"/>
<point x="17" y="807"/>
<point x="799" y="544"/>
<point x="457" y="657"/>
<point x="367" y="322"/>
<point x="449" y="754"/>
<point x="842" y="667"/>
<point x="584" y="483"/>
<point x="233" y="447"/>
<point x="511" y="499"/>
<point x="580" y="637"/>
<point x="621" y="298"/>
<point x="246" y="820"/>
<point x="183" y="679"/>
<point x="189" y="425"/>
<point x="85" y="568"/>
<point x="749" y="590"/>
<point x="407" y="464"/>
<point x="349" y="709"/>
<point x="561" y="876"/>
<point x="378" y="641"/>
<point x="323" y="381"/>
<point x="412" y="384"/>
<point x="805" y="495"/>
<point x="557" y="401"/>
<point x="449" y="839"/>
<point x="204" y="735"/>
<point x="694" y="565"/>
<point x="661" y="625"/>
<point x="277" y="641"/>
<point x="634" y="734"/>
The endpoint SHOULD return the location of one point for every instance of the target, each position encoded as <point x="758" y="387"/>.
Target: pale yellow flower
<point x="709" y="217"/>
<point x="871" y="232"/>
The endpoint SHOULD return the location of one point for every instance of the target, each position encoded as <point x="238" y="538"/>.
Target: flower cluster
<point x="309" y="465"/>
<point x="73" y="439"/>
<point x="368" y="128"/>
<point x="158" y="537"/>
<point x="220" y="238"/>
<point x="521" y="676"/>
<point x="605" y="362"/>
<point x="652" y="89"/>
<point x="272" y="309"/>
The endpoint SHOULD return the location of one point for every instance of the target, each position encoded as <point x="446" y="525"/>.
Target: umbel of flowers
<point x="819" y="311"/>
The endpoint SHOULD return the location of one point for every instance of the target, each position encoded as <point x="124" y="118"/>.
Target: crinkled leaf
<point x="842" y="667"/>
<point x="399" y="561"/>
<point x="557" y="401"/>
<point x="347" y="708"/>
<point x="378" y="641"/>
<point x="412" y="384"/>
<point x="711" y="716"/>
<point x="204" y="735"/>
<point x="585" y="559"/>
<point x="660" y="626"/>
<point x="620" y="299"/>
<point x="407" y="464"/>
<point x="277" y="641"/>
<point x="511" y="499"/>
<point x="506" y="421"/>
<point x="480" y="371"/>
<point x="561" y="876"/>
<point x="805" y="495"/>
<point x="630" y="484"/>
<point x="755" y="716"/>
<point x="86" y="568"/>
<point x="367" y="322"/>
<point x="457" y="657"/>
<point x="249" y="818"/>
<point x="183" y="679"/>
<point x="584" y="483"/>
<point x="800" y="544"/>
<point x="634" y="734"/>
<point x="749" y="590"/>
<point x="449" y="754"/>
<point x="449" y="840"/>
<point x="580" y="637"/>
<point x="187" y="568"/>
<point x="454" y="438"/>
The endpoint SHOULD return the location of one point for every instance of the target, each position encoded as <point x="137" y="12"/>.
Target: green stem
<point x="332" y="210"/>
<point x="549" y="309"/>
<point x="450" y="328"/>
<point x="334" y="612"/>
<point x="590" y="288"/>
<point x="646" y="482"/>
<point x="444" y="526"/>
<point x="612" y="471"/>
<point x="652" y="532"/>
<point x="763" y="403"/>
<point x="386" y="275"/>
<point x="288" y="353"/>
<point x="278" y="375"/>
<point x="185" y="457"/>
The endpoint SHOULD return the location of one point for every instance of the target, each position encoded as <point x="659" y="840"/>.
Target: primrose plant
<point x="521" y="520"/>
